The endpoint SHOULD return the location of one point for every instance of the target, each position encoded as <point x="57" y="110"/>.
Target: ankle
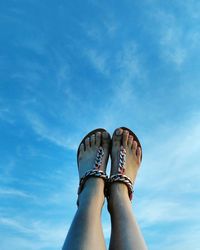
<point x="118" y="196"/>
<point x="92" y="193"/>
<point x="118" y="190"/>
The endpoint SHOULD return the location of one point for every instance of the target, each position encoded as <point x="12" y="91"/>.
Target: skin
<point x="125" y="232"/>
<point x="86" y="231"/>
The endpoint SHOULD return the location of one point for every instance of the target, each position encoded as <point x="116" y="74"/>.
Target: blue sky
<point x="68" y="67"/>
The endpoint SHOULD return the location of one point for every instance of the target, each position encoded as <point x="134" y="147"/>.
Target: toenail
<point x="118" y="132"/>
<point x="134" y="144"/>
<point x="105" y="134"/>
<point x="98" y="135"/>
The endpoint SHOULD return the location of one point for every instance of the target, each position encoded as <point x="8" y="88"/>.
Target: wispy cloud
<point x="172" y="38"/>
<point x="168" y="183"/>
<point x="128" y="61"/>
<point x="186" y="238"/>
<point x="156" y="210"/>
<point x="35" y="235"/>
<point x="107" y="27"/>
<point x="98" y="60"/>
<point x="128" y="71"/>
<point x="111" y="24"/>
<point x="110" y="71"/>
<point x="5" y="114"/>
<point x="16" y="225"/>
<point x="50" y="133"/>
<point x="173" y="158"/>
<point x="176" y="41"/>
<point x="191" y="8"/>
<point x="14" y="192"/>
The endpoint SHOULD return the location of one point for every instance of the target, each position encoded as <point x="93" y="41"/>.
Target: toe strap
<point x="99" y="158"/>
<point x="124" y="179"/>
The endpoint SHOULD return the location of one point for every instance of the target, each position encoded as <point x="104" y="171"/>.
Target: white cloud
<point x="123" y="101"/>
<point x="36" y="44"/>
<point x="167" y="187"/>
<point x="172" y="38"/>
<point x="177" y="38"/>
<point x="14" y="192"/>
<point x="128" y="61"/>
<point x="50" y="133"/>
<point x="32" y="235"/>
<point x="191" y="8"/>
<point x="185" y="237"/>
<point x="98" y="60"/>
<point x="14" y="224"/>
<point x="5" y="114"/>
<point x="106" y="28"/>
<point x="111" y="24"/>
<point x="154" y="211"/>
<point x="171" y="159"/>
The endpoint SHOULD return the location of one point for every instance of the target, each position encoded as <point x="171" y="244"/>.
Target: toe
<point x="134" y="147"/>
<point x="93" y="140"/>
<point x="130" y="141"/>
<point x="98" y="139"/>
<point x="105" y="139"/>
<point x="125" y="138"/>
<point x="87" y="143"/>
<point x="117" y="137"/>
<point x="139" y="153"/>
<point x="81" y="149"/>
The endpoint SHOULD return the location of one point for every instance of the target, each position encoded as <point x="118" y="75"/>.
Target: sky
<point x="67" y="67"/>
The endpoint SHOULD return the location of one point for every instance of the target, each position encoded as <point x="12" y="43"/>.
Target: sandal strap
<point x="94" y="173"/>
<point x="88" y="174"/>
<point x="99" y="158"/>
<point x="122" y="160"/>
<point x="124" y="179"/>
<point x="120" y="176"/>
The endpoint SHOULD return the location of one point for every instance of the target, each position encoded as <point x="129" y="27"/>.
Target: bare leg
<point x="86" y="231"/>
<point x="125" y="234"/>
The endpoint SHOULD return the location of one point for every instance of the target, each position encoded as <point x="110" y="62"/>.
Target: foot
<point x="133" y="159"/>
<point x="86" y="160"/>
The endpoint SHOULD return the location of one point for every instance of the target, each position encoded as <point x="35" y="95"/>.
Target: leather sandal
<point x="120" y="176"/>
<point x="95" y="171"/>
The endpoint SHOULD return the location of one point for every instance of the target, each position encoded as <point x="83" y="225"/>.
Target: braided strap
<point x="124" y="179"/>
<point x="94" y="173"/>
<point x="99" y="158"/>
<point x="122" y="160"/>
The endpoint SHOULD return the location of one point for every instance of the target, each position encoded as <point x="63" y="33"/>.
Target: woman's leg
<point x="86" y="231"/>
<point x="125" y="234"/>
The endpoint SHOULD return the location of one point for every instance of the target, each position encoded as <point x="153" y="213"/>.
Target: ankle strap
<point x="93" y="172"/>
<point x="121" y="178"/>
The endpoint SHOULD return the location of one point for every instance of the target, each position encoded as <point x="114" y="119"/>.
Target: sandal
<point x="95" y="171"/>
<point x="120" y="176"/>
